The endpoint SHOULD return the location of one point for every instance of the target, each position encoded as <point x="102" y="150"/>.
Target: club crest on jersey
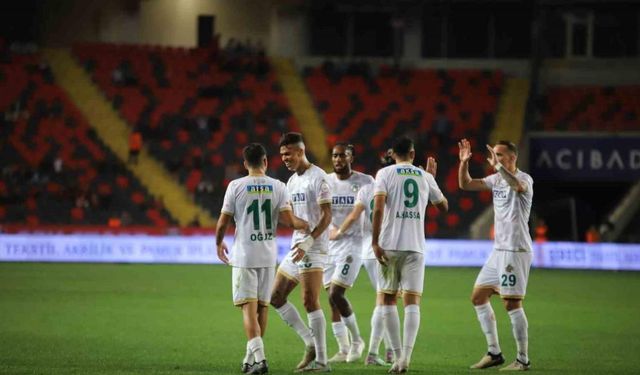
<point x="355" y="187"/>
<point x="408" y="172"/>
<point x="349" y="259"/>
<point x="259" y="189"/>
<point x="509" y="268"/>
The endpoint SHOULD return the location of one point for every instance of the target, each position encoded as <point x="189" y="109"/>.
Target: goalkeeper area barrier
<point x="201" y="249"/>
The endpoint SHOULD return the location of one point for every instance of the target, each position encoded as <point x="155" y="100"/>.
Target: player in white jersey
<point x="344" y="263"/>
<point x="256" y="202"/>
<point x="401" y="194"/>
<point x="364" y="204"/>
<point x="310" y="197"/>
<point x="506" y="272"/>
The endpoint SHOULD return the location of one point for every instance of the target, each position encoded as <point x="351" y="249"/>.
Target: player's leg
<point x="311" y="285"/>
<point x="343" y="278"/>
<point x="388" y="285"/>
<point x="411" y="266"/>
<point x="245" y="295"/>
<point x="285" y="282"/>
<point x="339" y="329"/>
<point x="378" y="333"/>
<point x="514" y="277"/>
<point x="485" y="286"/>
<point x="252" y="329"/>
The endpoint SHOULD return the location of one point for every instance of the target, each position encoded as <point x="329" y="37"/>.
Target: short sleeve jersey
<point x="255" y="203"/>
<point x="365" y="199"/>
<point x="306" y="193"/>
<point x="343" y="199"/>
<point x="511" y="212"/>
<point x="408" y="189"/>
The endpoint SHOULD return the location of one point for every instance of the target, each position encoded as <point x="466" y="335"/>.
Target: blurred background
<point x="129" y="116"/>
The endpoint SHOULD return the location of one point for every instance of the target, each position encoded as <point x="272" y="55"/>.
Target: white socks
<point x="520" y="327"/>
<point x="248" y="356"/>
<point x="411" y="326"/>
<point x="341" y="335"/>
<point x="377" y="330"/>
<point x="256" y="347"/>
<point x="352" y="324"/>
<point x="391" y="321"/>
<point x="487" y="320"/>
<point x="318" y="328"/>
<point x="290" y="315"/>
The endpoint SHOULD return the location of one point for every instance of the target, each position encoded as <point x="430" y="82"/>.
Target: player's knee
<point x="336" y="297"/>
<point x="277" y="300"/>
<point x="310" y="303"/>
<point x="478" y="299"/>
<point x="512" y="304"/>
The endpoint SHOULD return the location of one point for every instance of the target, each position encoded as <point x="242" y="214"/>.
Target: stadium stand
<point x="55" y="170"/>
<point x="590" y="108"/>
<point x="436" y="107"/>
<point x="194" y="108"/>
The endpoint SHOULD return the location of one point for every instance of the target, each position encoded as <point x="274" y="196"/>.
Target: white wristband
<point x="339" y="232"/>
<point x="498" y="167"/>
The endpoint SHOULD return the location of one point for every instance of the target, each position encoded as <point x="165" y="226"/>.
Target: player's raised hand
<point x="492" y="159"/>
<point x="223" y="251"/>
<point x="432" y="166"/>
<point x="379" y="253"/>
<point x="465" y="150"/>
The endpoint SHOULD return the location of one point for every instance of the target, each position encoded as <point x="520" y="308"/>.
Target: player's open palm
<point x="465" y="150"/>
<point x="493" y="158"/>
<point x="432" y="166"/>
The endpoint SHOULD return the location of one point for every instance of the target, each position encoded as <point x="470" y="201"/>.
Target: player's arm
<point x="300" y="248"/>
<point x="377" y="215"/>
<point x="325" y="220"/>
<point x="465" y="182"/>
<point x="443" y="205"/>
<point x="221" y="229"/>
<point x="432" y="166"/>
<point x="516" y="184"/>
<point x="346" y="224"/>
<point x="288" y="219"/>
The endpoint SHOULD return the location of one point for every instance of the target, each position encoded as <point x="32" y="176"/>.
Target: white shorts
<point x="506" y="272"/>
<point x="252" y="284"/>
<point x="342" y="270"/>
<point x="404" y="272"/>
<point x="371" y="265"/>
<point x="310" y="262"/>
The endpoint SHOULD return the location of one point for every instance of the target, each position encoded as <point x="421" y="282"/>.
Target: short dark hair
<point x="290" y="139"/>
<point x="347" y="146"/>
<point x="402" y="146"/>
<point x="510" y="145"/>
<point x="253" y="154"/>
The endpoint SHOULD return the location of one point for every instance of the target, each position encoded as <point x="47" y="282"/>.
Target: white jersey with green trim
<point x="511" y="212"/>
<point x="255" y="203"/>
<point x="408" y="190"/>
<point x="343" y="198"/>
<point x="307" y="192"/>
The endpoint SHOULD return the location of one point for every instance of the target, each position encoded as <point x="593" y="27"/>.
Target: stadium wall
<point x="201" y="249"/>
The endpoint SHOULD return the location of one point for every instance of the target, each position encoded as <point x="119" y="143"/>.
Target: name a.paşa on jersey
<point x="407" y="215"/>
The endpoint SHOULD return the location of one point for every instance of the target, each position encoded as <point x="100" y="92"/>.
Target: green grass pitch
<point x="178" y="319"/>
